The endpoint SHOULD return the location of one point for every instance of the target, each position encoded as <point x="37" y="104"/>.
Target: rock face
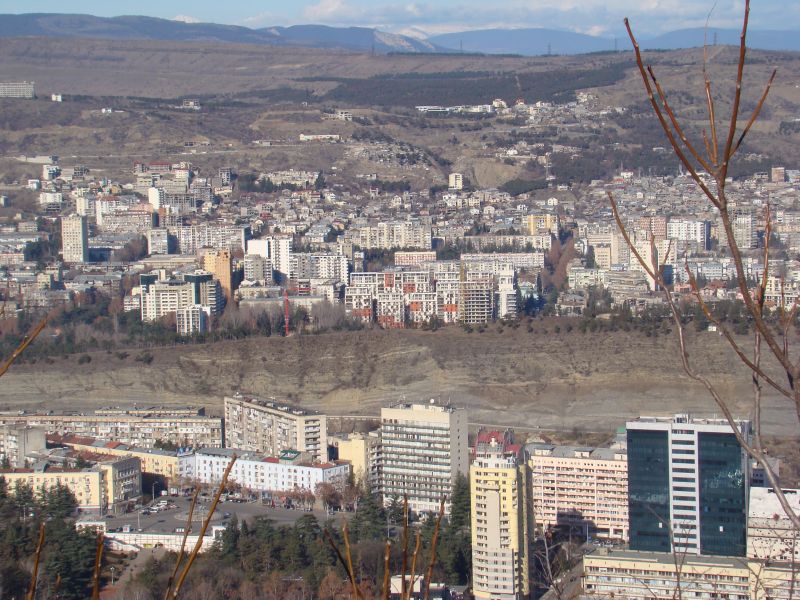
<point x="592" y="381"/>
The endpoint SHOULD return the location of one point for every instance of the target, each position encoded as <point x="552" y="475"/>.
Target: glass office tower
<point x="687" y="486"/>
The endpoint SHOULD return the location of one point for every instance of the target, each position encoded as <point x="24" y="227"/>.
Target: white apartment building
<point x="689" y="230"/>
<point x="580" y="487"/>
<point x="394" y="234"/>
<point x="270" y="427"/>
<point x="455" y="181"/>
<point x="278" y="248"/>
<point x="501" y="513"/>
<point x="17" y="89"/>
<point x="193" y="319"/>
<point x="424" y="448"/>
<point x="261" y="473"/>
<point x="332" y="267"/>
<point x="160" y="298"/>
<point x="74" y="239"/>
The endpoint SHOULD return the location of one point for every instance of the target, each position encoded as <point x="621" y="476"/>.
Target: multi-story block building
<point x="17" y="440"/>
<point x="153" y="461"/>
<point x="218" y="263"/>
<point x="104" y="487"/>
<point x="257" y="269"/>
<point x="424" y="448"/>
<point x="140" y="429"/>
<point x="656" y="575"/>
<point x="687" y="485"/>
<point x="74" y="239"/>
<point x="395" y="234"/>
<point x="270" y="427"/>
<point x="17" y="89"/>
<point x="158" y="241"/>
<point x="193" y="319"/>
<point x="261" y="473"/>
<point x="160" y="298"/>
<point x="502" y="519"/>
<point x="585" y="488"/>
<point x="361" y="451"/>
<point x="331" y="267"/>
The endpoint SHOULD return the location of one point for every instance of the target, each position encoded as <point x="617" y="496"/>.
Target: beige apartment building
<point x="654" y="575"/>
<point x="101" y="488"/>
<point x="152" y="460"/>
<point x="269" y="427"/>
<point x="137" y="429"/>
<point x="502" y="519"/>
<point x="580" y="487"/>
<point x="423" y="449"/>
<point x="361" y="450"/>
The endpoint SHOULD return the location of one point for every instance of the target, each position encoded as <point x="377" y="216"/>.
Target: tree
<point x="771" y="337"/>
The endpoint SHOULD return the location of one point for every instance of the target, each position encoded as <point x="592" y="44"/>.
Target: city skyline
<point x="422" y="19"/>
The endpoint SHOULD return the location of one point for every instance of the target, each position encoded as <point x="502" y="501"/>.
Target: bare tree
<point x="772" y="337"/>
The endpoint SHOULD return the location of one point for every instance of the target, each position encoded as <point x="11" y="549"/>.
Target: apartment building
<point x="136" y="429"/>
<point x="395" y="234"/>
<point x="74" y="239"/>
<point x="362" y="451"/>
<point x="585" y="488"/>
<point x="270" y="427"/>
<point x="424" y="448"/>
<point x="158" y="241"/>
<point x="659" y="576"/>
<point x="107" y="486"/>
<point x="193" y="319"/>
<point x="218" y="263"/>
<point x="502" y="518"/>
<point x="258" y="472"/>
<point x="17" y="89"/>
<point x="690" y="475"/>
<point x="17" y="440"/>
<point x="162" y="297"/>
<point x="152" y="461"/>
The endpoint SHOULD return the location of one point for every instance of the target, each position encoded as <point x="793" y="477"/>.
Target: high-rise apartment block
<point x="502" y="518"/>
<point x="580" y="487"/>
<point x="74" y="239"/>
<point x="687" y="485"/>
<point x="270" y="427"/>
<point x="424" y="448"/>
<point x="218" y="263"/>
<point x="162" y="297"/>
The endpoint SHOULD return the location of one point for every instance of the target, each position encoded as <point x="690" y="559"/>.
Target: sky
<point x="422" y="18"/>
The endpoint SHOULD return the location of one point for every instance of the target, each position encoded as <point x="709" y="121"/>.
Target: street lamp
<point x="112" y="575"/>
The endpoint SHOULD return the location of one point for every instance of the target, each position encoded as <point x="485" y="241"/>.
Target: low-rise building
<point x="770" y="534"/>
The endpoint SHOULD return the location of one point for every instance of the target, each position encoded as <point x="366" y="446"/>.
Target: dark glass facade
<point x="723" y="504"/>
<point x="648" y="490"/>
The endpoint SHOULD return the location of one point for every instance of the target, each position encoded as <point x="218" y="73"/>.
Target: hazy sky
<point x="420" y="17"/>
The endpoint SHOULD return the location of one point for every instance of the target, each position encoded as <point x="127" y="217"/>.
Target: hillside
<point x="514" y="377"/>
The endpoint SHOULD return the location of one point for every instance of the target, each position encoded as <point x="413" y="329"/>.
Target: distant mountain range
<point x="149" y="28"/>
<point x="527" y="42"/>
<point x="534" y="42"/>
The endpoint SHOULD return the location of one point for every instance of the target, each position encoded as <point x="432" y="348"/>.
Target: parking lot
<point x="174" y="518"/>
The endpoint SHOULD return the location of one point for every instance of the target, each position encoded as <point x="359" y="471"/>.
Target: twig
<point x="183" y="545"/>
<point x="434" y="542"/>
<point x="37" y="557"/>
<point x="98" y="562"/>
<point x="387" y="575"/>
<point x="202" y="532"/>
<point x="23" y="345"/>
